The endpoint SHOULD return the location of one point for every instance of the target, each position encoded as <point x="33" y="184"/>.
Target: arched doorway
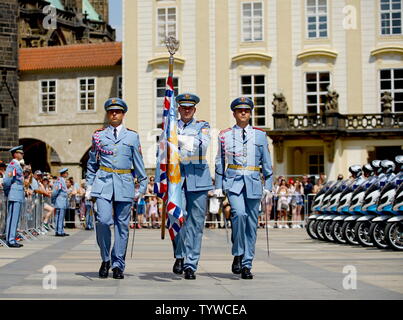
<point x="39" y="155"/>
<point x="83" y="162"/>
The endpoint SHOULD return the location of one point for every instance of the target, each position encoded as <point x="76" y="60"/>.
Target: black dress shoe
<point x="14" y="245"/>
<point x="58" y="235"/>
<point x="236" y="265"/>
<point x="178" y="266"/>
<point x="117" y="273"/>
<point x="65" y="234"/>
<point x="246" y="274"/>
<point x="189" y="274"/>
<point x="103" y="271"/>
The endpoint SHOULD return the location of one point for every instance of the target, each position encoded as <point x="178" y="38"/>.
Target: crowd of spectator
<point x="285" y="206"/>
<point x="41" y="183"/>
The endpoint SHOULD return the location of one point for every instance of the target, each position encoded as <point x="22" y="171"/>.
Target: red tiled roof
<point x="70" y="56"/>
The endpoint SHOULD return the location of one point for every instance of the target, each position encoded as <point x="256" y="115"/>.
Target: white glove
<point x="186" y="142"/>
<point x="88" y="193"/>
<point x="219" y="193"/>
<point x="266" y="192"/>
<point x="138" y="196"/>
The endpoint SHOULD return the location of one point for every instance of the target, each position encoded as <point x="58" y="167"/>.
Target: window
<point x="316" y="18"/>
<point x="317" y="84"/>
<point x="254" y="88"/>
<point x="252" y="21"/>
<point x="316" y="163"/>
<point x="391" y="17"/>
<point x="3" y="121"/>
<point x="160" y="88"/>
<point x="166" y="24"/>
<point x="119" y="89"/>
<point x="87" y="94"/>
<point x="48" y="96"/>
<point x="392" y="81"/>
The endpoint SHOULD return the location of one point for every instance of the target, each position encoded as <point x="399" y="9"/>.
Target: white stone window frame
<point x="166" y="23"/>
<point x="253" y="21"/>
<point x="159" y="101"/>
<point x="86" y="91"/>
<point x="253" y="95"/>
<point x="390" y="12"/>
<point x="318" y="93"/>
<point x="119" y="87"/>
<point x="317" y="17"/>
<point x="392" y="89"/>
<point x="43" y="94"/>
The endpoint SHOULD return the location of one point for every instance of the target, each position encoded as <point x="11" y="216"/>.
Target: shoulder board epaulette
<point x="198" y="121"/>
<point x="259" y="129"/>
<point x="132" y="130"/>
<point x="225" y="130"/>
<point x="101" y="129"/>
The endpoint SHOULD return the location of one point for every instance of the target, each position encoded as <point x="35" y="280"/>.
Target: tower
<point x="8" y="77"/>
<point x="102" y="8"/>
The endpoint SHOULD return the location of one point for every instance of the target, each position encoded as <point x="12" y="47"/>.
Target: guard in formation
<point x="114" y="159"/>
<point x="13" y="185"/>
<point x="244" y="150"/>
<point x="60" y="202"/>
<point x="193" y="140"/>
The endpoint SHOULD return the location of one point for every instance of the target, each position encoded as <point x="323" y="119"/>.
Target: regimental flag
<point x="167" y="176"/>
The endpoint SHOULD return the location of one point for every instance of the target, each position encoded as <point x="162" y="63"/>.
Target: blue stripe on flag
<point x="177" y="212"/>
<point x="176" y="227"/>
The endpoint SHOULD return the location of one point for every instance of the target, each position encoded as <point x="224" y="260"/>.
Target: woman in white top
<point x="282" y="204"/>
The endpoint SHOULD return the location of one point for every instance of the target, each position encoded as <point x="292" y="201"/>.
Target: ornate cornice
<point x="251" y="56"/>
<point x="387" y="49"/>
<point x="317" y="52"/>
<point x="165" y="59"/>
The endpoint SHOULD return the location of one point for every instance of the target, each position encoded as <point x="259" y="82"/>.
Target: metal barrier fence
<point x="272" y="217"/>
<point x="30" y="222"/>
<point x="2" y="218"/>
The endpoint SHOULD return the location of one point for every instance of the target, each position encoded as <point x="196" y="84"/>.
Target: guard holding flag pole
<point x="114" y="159"/>
<point x="182" y="176"/>
<point x="193" y="140"/>
<point x="244" y="150"/>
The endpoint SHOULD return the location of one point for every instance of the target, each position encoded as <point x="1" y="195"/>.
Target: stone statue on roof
<point x="386" y="100"/>
<point x="332" y="103"/>
<point x="279" y="103"/>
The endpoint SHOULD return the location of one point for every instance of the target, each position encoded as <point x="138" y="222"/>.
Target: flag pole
<point x="172" y="45"/>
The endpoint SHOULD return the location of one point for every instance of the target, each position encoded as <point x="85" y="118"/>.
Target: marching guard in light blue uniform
<point x="60" y="201"/>
<point x="13" y="184"/>
<point x="114" y="159"/>
<point x="244" y="150"/>
<point x="193" y="140"/>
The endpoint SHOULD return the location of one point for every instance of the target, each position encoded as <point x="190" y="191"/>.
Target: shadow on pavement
<point x="159" y="276"/>
<point x="168" y="277"/>
<point x="94" y="275"/>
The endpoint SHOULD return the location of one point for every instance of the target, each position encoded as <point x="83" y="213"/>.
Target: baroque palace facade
<point x="317" y="71"/>
<point x="67" y="67"/>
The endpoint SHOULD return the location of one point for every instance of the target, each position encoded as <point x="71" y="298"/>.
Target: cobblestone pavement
<point x="297" y="268"/>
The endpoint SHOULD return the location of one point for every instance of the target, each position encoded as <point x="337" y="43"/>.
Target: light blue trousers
<point x="13" y="217"/>
<point x="188" y="242"/>
<point x="88" y="217"/>
<point x="60" y="213"/>
<point x="244" y="219"/>
<point x="120" y="218"/>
